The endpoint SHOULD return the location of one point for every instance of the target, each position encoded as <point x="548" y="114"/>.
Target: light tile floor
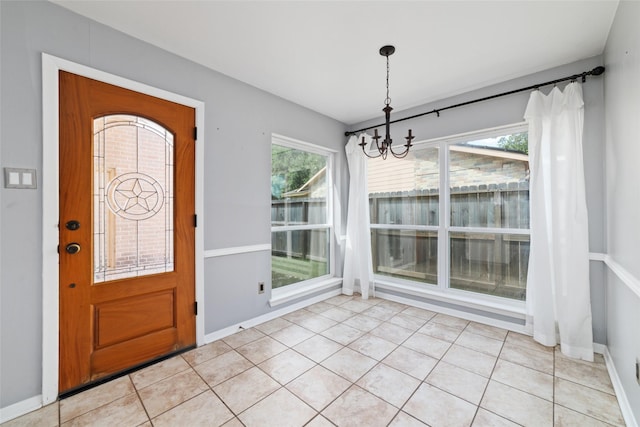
<point x="353" y="362"/>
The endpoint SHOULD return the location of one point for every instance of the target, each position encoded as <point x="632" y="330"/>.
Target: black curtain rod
<point x="595" y="72"/>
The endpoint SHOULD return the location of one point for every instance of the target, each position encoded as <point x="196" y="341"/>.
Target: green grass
<point x="286" y="271"/>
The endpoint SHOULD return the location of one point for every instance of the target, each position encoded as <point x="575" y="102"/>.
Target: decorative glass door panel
<point x="133" y="196"/>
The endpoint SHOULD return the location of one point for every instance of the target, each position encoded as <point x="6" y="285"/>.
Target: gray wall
<point x="509" y="110"/>
<point x="239" y="122"/>
<point x="622" y="101"/>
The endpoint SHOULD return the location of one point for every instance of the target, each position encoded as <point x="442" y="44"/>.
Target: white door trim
<point x="51" y="66"/>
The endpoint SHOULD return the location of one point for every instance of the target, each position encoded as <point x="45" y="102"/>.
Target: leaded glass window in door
<point x="133" y="198"/>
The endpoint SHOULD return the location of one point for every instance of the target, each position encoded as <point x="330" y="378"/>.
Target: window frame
<point x="407" y="283"/>
<point x="441" y="290"/>
<point x="287" y="292"/>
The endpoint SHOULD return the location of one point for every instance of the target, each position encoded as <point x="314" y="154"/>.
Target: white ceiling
<point x="324" y="54"/>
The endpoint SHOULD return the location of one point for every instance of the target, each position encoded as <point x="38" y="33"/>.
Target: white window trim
<point x="306" y="287"/>
<point x="51" y="66"/>
<point x="501" y="306"/>
<point x="301" y="227"/>
<point x="310" y="287"/>
<point x="441" y="291"/>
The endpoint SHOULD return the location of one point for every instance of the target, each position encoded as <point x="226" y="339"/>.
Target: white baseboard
<point x="599" y="348"/>
<point x="221" y="333"/>
<point x="625" y="406"/>
<point x="20" y="408"/>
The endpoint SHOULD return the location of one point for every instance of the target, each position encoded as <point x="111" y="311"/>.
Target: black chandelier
<point x="384" y="147"/>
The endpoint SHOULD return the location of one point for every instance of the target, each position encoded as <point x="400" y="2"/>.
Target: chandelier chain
<point x="387" y="101"/>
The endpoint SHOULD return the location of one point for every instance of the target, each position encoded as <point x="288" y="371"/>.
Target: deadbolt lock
<point x="73" y="248"/>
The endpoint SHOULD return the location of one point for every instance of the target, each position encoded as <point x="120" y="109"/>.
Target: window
<point x="405" y="215"/>
<point x="301" y="219"/>
<point x="454" y="214"/>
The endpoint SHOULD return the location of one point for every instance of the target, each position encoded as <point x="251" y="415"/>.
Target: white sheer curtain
<point x="358" y="266"/>
<point x="558" y="298"/>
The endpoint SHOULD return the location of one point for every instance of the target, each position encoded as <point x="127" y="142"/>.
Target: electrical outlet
<point x="261" y="287"/>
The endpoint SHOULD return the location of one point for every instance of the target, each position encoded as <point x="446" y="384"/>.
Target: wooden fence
<point x="298" y="254"/>
<point x="493" y="263"/>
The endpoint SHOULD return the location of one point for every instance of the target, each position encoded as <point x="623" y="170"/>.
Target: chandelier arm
<point x="363" y="144"/>
<point x="401" y="155"/>
<point x="368" y="155"/>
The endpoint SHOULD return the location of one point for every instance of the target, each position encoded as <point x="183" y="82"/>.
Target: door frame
<point x="51" y="65"/>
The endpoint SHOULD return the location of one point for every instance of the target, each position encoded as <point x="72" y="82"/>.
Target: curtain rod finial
<point x="597" y="71"/>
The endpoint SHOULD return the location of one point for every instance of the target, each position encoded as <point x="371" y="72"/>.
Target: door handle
<point x="72" y="248"/>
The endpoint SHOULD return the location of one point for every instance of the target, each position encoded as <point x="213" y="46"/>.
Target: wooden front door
<point x="127" y="230"/>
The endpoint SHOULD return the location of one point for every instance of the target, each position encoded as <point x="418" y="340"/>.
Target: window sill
<point x="515" y="309"/>
<point x="288" y="295"/>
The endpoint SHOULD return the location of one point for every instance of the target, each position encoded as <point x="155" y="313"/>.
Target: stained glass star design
<point x="140" y="195"/>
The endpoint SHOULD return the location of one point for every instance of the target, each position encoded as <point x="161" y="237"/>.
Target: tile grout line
<point x="553" y="394"/>
<point x="489" y="381"/>
<point x="144" y="408"/>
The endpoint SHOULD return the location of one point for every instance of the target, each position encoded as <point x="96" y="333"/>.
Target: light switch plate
<point x="19" y="178"/>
